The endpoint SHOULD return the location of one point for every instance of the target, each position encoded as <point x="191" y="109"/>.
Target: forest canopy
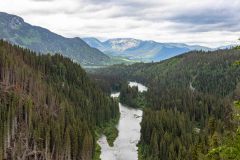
<point x="49" y="108"/>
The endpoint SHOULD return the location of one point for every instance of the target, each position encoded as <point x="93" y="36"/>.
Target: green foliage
<point x="49" y="108"/>
<point x="237" y="104"/>
<point x="206" y="71"/>
<point x="230" y="150"/>
<point x="111" y="134"/>
<point x="237" y="47"/>
<point x="236" y="63"/>
<point x="131" y="96"/>
<point x="164" y="139"/>
<point x="189" y="109"/>
<point x="109" y="130"/>
<point x="97" y="153"/>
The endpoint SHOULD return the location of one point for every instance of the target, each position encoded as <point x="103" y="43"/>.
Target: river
<point x="125" y="146"/>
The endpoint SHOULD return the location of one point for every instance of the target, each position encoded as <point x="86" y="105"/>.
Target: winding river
<point x="125" y="146"/>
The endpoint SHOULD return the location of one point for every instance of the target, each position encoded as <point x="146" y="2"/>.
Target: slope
<point x="49" y="108"/>
<point x="189" y="109"/>
<point x="16" y="31"/>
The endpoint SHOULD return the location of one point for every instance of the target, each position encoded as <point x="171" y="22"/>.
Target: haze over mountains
<point x="140" y="50"/>
<point x="88" y="51"/>
<point x="16" y="31"/>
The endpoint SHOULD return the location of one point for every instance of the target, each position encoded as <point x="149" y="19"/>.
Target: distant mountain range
<point x="88" y="51"/>
<point x="16" y="31"/>
<point x="140" y="50"/>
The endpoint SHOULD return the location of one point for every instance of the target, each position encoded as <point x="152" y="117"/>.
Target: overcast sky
<point x="205" y="22"/>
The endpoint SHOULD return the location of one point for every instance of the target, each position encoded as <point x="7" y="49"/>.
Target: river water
<point x="125" y="146"/>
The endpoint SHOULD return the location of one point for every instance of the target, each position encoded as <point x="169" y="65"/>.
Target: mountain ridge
<point x="15" y="30"/>
<point x="142" y="50"/>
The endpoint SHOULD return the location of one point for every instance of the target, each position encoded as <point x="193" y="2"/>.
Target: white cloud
<point x="206" y="22"/>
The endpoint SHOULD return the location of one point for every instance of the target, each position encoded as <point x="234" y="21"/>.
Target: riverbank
<point x="109" y="130"/>
<point x="133" y="95"/>
<point x="134" y="100"/>
<point x="125" y="145"/>
<point x="111" y="133"/>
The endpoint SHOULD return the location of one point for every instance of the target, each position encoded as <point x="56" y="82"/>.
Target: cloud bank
<point x="206" y="22"/>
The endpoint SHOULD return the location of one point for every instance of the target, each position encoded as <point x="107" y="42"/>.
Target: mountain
<point x="49" y="108"/>
<point x="16" y="31"/>
<point x="139" y="50"/>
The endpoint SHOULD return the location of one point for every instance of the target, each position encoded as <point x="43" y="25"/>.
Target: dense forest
<point x="189" y="111"/>
<point x="49" y="108"/>
<point x="131" y="96"/>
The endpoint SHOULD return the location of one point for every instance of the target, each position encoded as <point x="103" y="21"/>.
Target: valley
<point x="125" y="145"/>
<point x="179" y="121"/>
<point x="89" y="52"/>
<point x="137" y="123"/>
<point x="73" y="86"/>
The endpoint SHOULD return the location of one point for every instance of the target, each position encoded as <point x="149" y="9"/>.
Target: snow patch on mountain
<point x="123" y="44"/>
<point x="140" y="50"/>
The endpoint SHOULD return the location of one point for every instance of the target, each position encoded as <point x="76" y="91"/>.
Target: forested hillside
<point x="204" y="71"/>
<point x="189" y="109"/>
<point x="49" y="108"/>
<point x="38" y="39"/>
